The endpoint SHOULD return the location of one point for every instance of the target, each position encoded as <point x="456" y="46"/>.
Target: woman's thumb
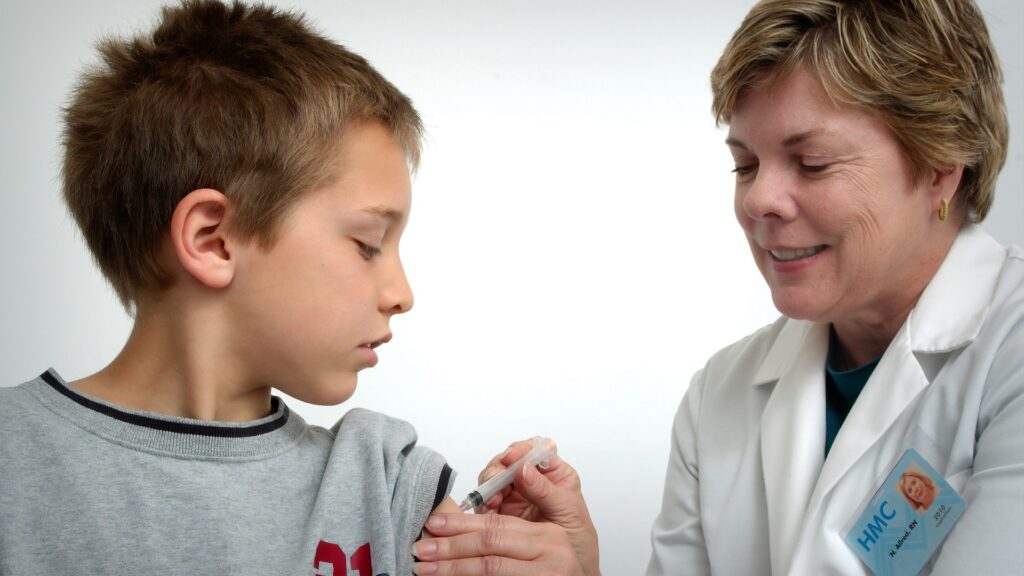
<point x="556" y="504"/>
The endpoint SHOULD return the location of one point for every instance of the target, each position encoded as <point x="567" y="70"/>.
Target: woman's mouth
<point x="797" y="254"/>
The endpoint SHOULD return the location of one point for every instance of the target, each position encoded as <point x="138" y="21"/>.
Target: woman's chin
<point x="797" y="304"/>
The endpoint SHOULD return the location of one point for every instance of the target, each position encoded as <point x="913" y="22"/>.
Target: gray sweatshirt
<point x="87" y="487"/>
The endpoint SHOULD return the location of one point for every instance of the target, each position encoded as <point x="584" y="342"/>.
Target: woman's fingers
<point x="456" y="524"/>
<point x="567" y="509"/>
<point x="549" y="499"/>
<point x="493" y="545"/>
<point x="471" y="536"/>
<point x="515" y="451"/>
<point x="509" y="501"/>
<point x="556" y="469"/>
<point x="486" y="566"/>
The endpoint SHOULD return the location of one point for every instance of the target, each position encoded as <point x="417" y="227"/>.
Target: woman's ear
<point x="945" y="183"/>
<point x="198" y="234"/>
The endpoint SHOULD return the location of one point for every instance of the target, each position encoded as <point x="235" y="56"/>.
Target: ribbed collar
<point x="169" y="435"/>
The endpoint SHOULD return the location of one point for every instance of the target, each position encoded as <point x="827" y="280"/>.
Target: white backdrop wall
<point x="572" y="246"/>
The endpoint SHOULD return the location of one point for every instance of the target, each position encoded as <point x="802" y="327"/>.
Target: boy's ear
<point x="198" y="234"/>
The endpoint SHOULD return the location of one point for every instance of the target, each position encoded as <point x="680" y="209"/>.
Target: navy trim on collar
<point x="168" y="425"/>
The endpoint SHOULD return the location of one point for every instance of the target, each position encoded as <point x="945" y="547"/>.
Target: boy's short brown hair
<point x="247" y="100"/>
<point x="927" y="68"/>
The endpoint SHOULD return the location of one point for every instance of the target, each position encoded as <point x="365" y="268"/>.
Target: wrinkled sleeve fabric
<point x="677" y="537"/>
<point x="400" y="482"/>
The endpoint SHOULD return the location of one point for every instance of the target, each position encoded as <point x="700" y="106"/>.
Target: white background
<point x="572" y="246"/>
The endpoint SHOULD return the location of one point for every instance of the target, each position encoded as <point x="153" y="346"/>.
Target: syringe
<point x="542" y="451"/>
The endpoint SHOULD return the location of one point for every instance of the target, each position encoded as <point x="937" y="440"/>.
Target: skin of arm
<point x="447" y="506"/>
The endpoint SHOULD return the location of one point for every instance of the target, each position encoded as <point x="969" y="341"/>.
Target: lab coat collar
<point x="953" y="306"/>
<point x="780" y="357"/>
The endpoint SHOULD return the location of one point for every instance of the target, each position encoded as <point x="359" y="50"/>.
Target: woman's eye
<point x="814" y="168"/>
<point x="368" y="252"/>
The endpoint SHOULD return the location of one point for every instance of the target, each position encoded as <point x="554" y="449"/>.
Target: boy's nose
<point x="397" y="295"/>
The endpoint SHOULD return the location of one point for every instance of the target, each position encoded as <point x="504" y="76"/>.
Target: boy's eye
<point x="744" y="169"/>
<point x="366" y="251"/>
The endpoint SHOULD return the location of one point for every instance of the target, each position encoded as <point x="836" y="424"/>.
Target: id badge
<point x="906" y="520"/>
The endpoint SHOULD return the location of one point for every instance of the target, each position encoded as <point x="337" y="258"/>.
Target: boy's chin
<point x="329" y="391"/>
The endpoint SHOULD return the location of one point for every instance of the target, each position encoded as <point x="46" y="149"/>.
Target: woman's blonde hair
<point x="927" y="68"/>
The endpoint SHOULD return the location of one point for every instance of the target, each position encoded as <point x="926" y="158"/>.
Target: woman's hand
<point x="538" y="525"/>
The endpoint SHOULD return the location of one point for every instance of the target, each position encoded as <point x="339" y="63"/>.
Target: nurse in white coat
<point x="867" y="138"/>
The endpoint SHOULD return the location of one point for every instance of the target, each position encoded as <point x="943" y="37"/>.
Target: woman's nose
<point x="770" y="195"/>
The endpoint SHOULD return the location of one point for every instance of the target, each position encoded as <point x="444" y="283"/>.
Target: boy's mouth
<point x="376" y="343"/>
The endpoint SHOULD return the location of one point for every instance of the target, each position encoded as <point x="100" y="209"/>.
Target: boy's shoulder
<point x="27" y="426"/>
<point x="366" y="421"/>
<point x="367" y="434"/>
<point x="379" y="454"/>
<point x="18" y="403"/>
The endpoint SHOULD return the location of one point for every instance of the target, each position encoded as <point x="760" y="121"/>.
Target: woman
<point x="918" y="490"/>
<point x="867" y="138"/>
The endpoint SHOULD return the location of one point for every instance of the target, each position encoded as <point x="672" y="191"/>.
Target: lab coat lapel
<point x="894" y="384"/>
<point x="792" y="432"/>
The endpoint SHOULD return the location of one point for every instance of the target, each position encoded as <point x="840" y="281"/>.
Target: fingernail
<point x="435" y="522"/>
<point x="424" y="548"/>
<point x="424" y="568"/>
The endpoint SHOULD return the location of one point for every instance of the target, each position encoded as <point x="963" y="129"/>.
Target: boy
<point x="243" y="184"/>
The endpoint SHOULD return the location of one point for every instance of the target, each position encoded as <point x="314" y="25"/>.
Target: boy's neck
<point x="175" y="363"/>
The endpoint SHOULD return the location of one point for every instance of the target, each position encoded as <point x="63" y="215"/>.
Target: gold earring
<point x="943" y="210"/>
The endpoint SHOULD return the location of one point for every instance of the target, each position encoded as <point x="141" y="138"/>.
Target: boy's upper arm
<point x="448" y="506"/>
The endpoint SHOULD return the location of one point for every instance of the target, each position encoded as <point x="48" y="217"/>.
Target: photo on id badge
<point x="906" y="520"/>
<point x="917" y="488"/>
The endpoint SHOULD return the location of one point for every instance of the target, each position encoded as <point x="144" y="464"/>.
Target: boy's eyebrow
<point x="389" y="214"/>
<point x="733" y="142"/>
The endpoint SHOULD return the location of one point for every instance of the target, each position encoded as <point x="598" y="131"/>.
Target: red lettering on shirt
<point x="332" y="554"/>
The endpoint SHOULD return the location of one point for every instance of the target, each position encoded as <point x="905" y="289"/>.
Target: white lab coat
<point x="748" y="490"/>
